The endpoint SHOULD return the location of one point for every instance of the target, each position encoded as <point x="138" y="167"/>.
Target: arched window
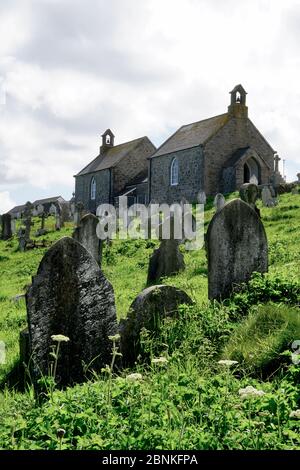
<point x="174" y="172"/>
<point x="93" y="189"/>
<point x="107" y="138"/>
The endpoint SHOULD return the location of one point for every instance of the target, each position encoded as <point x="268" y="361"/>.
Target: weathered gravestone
<point x="6" y="227"/>
<point x="79" y="209"/>
<point x="249" y="193"/>
<point x="167" y="259"/>
<point x="201" y="197"/>
<point x="13" y="226"/>
<point x="86" y="234"/>
<point x="236" y="246"/>
<point x="22" y="239"/>
<point x="266" y="197"/>
<point x="70" y="296"/>
<point x="27" y="218"/>
<point x="147" y="311"/>
<point x="65" y="212"/>
<point x="219" y="201"/>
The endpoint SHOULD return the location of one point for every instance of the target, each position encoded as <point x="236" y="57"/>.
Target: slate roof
<point x="47" y="200"/>
<point x="111" y="157"/>
<point x="142" y="177"/>
<point x="192" y="135"/>
<point x="16" y="209"/>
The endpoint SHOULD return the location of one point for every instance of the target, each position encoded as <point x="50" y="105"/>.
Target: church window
<point x="107" y="139"/>
<point x="174" y="172"/>
<point x="93" y="189"/>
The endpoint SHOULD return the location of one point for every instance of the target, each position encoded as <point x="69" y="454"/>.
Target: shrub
<point x="259" y="341"/>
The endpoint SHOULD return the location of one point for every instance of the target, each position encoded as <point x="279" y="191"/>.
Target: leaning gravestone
<point x="236" y="246"/>
<point x="147" y="311"/>
<point x="6" y="227"/>
<point x="86" y="234"/>
<point x="219" y="201"/>
<point x="70" y="296"/>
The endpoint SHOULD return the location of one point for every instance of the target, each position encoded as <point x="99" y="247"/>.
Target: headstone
<point x="165" y="261"/>
<point x="13" y="226"/>
<point x="86" y="234"/>
<point x="52" y="210"/>
<point x="6" y="227"/>
<point x="266" y="196"/>
<point x="65" y="213"/>
<point x="22" y="239"/>
<point x="201" y="197"/>
<point x="147" y="311"/>
<point x="78" y="212"/>
<point x="27" y="217"/>
<point x="236" y="246"/>
<point x="219" y="201"/>
<point x="249" y="193"/>
<point x="70" y="296"/>
<point x="40" y="209"/>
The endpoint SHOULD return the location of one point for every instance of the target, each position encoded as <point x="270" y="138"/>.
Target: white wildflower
<point x="60" y="338"/>
<point x="159" y="360"/>
<point x="115" y="338"/>
<point x="250" y="392"/>
<point x="295" y="414"/>
<point x="134" y="377"/>
<point x="227" y="362"/>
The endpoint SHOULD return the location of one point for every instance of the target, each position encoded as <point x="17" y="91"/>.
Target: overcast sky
<point x="69" y="69"/>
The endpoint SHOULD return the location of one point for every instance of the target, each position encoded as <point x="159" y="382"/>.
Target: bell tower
<point x="237" y="107"/>
<point x="108" y="139"/>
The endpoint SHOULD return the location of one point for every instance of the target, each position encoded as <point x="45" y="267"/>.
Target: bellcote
<point x="237" y="107"/>
<point x="108" y="139"/>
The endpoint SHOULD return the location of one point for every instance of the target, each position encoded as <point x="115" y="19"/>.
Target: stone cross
<point x="70" y="296"/>
<point x="236" y="245"/>
<point x="277" y="160"/>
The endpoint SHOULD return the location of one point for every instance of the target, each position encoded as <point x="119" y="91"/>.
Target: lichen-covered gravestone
<point x="236" y="246"/>
<point x="6" y="226"/>
<point x="86" y="234"/>
<point x="266" y="197"/>
<point x="249" y="194"/>
<point x="147" y="311"/>
<point x="70" y="296"/>
<point x="219" y="201"/>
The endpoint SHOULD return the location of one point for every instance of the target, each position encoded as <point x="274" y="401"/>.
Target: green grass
<point x="191" y="402"/>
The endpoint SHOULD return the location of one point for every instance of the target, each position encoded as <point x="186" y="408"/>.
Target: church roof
<point x="111" y="157"/>
<point x="16" y="209"/>
<point x="47" y="200"/>
<point x="192" y="135"/>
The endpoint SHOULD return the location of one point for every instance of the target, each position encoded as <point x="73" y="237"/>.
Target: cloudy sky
<point x="69" y="69"/>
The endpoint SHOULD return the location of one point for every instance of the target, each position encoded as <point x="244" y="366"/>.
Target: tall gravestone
<point x="219" y="201"/>
<point x="236" y="246"/>
<point x="6" y="226"/>
<point x="70" y="296"/>
<point x="27" y="218"/>
<point x="86" y="234"/>
<point x="147" y="311"/>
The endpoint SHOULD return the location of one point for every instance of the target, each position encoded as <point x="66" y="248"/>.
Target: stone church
<point x="117" y="170"/>
<point x="214" y="155"/>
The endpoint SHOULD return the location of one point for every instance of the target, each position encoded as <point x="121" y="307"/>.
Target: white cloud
<point x="6" y="203"/>
<point x="74" y="68"/>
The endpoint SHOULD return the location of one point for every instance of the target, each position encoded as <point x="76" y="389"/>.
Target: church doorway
<point x="251" y="171"/>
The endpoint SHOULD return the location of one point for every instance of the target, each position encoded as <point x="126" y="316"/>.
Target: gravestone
<point x="22" y="239"/>
<point x="6" y="227"/>
<point x="52" y="210"/>
<point x="219" y="201"/>
<point x="147" y="311"/>
<point x="70" y="296"/>
<point x="13" y="226"/>
<point x="249" y="193"/>
<point x="86" y="234"/>
<point x="266" y="197"/>
<point x="236" y="245"/>
<point x="167" y="259"/>
<point x="79" y="208"/>
<point x="201" y="197"/>
<point x="27" y="218"/>
<point x="65" y="212"/>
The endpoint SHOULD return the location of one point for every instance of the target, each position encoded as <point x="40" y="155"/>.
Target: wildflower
<point x="60" y="338"/>
<point x="159" y="360"/>
<point x="227" y="362"/>
<point x="114" y="338"/>
<point x="250" y="392"/>
<point x="134" y="377"/>
<point x="295" y="414"/>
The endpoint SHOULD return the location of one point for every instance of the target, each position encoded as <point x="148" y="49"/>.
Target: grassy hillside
<point x="190" y="401"/>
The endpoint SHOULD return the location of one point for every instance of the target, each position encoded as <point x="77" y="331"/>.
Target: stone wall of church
<point x="83" y="188"/>
<point x="190" y="176"/>
<point x="237" y="133"/>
